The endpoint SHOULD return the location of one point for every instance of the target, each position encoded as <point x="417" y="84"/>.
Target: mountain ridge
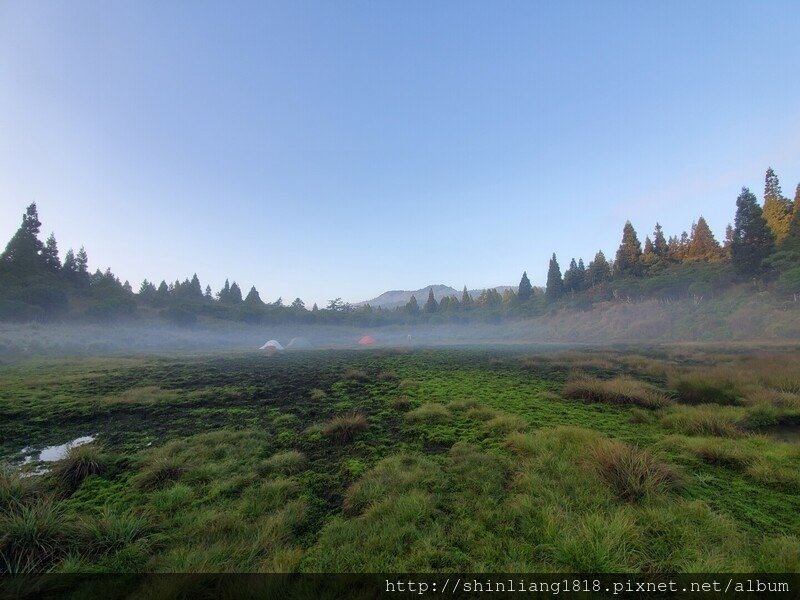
<point x="395" y="298"/>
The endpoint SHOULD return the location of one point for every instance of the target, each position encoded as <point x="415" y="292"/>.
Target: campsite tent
<point x="272" y="346"/>
<point x="366" y="340"/>
<point x="298" y="343"/>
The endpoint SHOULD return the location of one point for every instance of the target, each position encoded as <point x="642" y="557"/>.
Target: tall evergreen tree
<point x="659" y="242"/>
<point x="581" y="276"/>
<point x="298" y="304"/>
<point x="703" y="246"/>
<point x="236" y="294"/>
<point x="629" y="255"/>
<point x="777" y="209"/>
<point x="466" y="299"/>
<point x="253" y="299"/>
<point x="555" y="285"/>
<point x="82" y="266"/>
<point x="525" y="290"/>
<point x="162" y="293"/>
<point x="412" y="307"/>
<point x="23" y="254"/>
<point x="193" y="289"/>
<point x="599" y="270"/>
<point x="649" y="248"/>
<point x="571" y="276"/>
<point x="50" y="254"/>
<point x="224" y="295"/>
<point x="431" y="306"/>
<point x="753" y="241"/>
<point x="792" y="240"/>
<point x="69" y="268"/>
<point x="207" y="295"/>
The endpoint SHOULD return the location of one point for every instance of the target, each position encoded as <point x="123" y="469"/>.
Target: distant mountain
<point x="395" y="298"/>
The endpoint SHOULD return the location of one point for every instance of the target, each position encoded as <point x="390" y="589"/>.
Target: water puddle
<point x="53" y="453"/>
<point x="789" y="434"/>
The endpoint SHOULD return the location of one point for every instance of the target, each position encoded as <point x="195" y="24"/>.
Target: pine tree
<point x="82" y="266"/>
<point x="50" y="254"/>
<point x="315" y="308"/>
<point x="69" y="268"/>
<point x="236" y="294"/>
<point x="224" y="295"/>
<point x="648" y="246"/>
<point x="599" y="270"/>
<point x="431" y="306"/>
<point x="207" y="295"/>
<point x="193" y="289"/>
<point x="753" y="241"/>
<point x="629" y="255"/>
<point x="728" y="243"/>
<point x="777" y="209"/>
<point x="792" y="240"/>
<point x="23" y="254"/>
<point x="659" y="242"/>
<point x="555" y="285"/>
<point x="702" y="245"/>
<point x="466" y="299"/>
<point x="252" y="299"/>
<point x="581" y="276"/>
<point x="298" y="304"/>
<point x="571" y="277"/>
<point x="525" y="290"/>
<point x="162" y="294"/>
<point x="412" y="307"/>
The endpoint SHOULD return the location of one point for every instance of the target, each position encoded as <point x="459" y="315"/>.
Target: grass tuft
<point x="344" y="428"/>
<point x="619" y="390"/>
<point x="631" y="472"/>
<point x="79" y="463"/>
<point x="430" y="412"/>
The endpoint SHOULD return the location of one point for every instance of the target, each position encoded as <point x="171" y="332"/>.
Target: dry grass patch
<point x="619" y="390"/>
<point x="430" y="412"/>
<point x="318" y="394"/>
<point x="345" y="428"/>
<point x="505" y="423"/>
<point x="706" y="419"/>
<point x="631" y="472"/>
<point x="401" y="403"/>
<point x="355" y="375"/>
<point x="79" y="463"/>
<point x="388" y="376"/>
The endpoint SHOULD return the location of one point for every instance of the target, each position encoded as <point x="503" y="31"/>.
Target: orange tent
<point x="366" y="340"/>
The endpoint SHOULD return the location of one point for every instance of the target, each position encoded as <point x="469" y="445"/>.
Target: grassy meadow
<point x="682" y="458"/>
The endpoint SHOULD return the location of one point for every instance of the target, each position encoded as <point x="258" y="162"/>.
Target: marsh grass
<point x="345" y="428"/>
<point x="633" y="473"/>
<point x="160" y="471"/>
<point x="317" y="394"/>
<point x="704" y="419"/>
<point x="79" y="463"/>
<point x="401" y="403"/>
<point x="288" y="463"/>
<point x="33" y="536"/>
<point x="430" y="412"/>
<point x="619" y="390"/>
<point x="110" y="531"/>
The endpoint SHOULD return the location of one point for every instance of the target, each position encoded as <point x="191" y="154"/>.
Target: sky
<point x="341" y="149"/>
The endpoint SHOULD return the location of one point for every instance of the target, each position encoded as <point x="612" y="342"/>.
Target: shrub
<point x="631" y="472"/>
<point x="430" y="412"/>
<point x="619" y="390"/>
<point x="344" y="428"/>
<point x="79" y="463"/>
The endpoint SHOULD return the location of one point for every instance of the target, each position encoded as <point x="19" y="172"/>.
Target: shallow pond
<point x="54" y="453"/>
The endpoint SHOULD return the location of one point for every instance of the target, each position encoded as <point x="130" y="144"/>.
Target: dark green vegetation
<point x="760" y="257"/>
<point x="672" y="459"/>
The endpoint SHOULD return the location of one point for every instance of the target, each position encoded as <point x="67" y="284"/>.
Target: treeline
<point x="761" y="249"/>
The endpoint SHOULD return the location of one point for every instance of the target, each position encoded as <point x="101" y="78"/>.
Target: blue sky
<point x="332" y="149"/>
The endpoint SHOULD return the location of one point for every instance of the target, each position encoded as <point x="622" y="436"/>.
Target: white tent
<point x="272" y="345"/>
<point x="299" y="343"/>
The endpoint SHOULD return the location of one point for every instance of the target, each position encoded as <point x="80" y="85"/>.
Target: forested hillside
<point x="759" y="257"/>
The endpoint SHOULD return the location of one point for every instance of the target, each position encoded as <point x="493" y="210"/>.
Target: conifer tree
<point x="207" y="295"/>
<point x="753" y="241"/>
<point x="224" y="295"/>
<point x="466" y="299"/>
<point x="69" y="268"/>
<point x="648" y="246"/>
<point x="659" y="242"/>
<point x="50" y="254"/>
<point x="82" y="265"/>
<point x="412" y="307"/>
<point x="315" y="308"/>
<point x="298" y="304"/>
<point x="599" y="270"/>
<point x="23" y="254"/>
<point x="431" y="306"/>
<point x="728" y="243"/>
<point x="571" y="277"/>
<point x="236" y="294"/>
<point x="555" y="285"/>
<point x="702" y="245"/>
<point x="581" y="275"/>
<point x="252" y="299"/>
<point x="525" y="290"/>
<point x="193" y="289"/>
<point x="629" y="255"/>
<point x="777" y="209"/>
<point x="162" y="294"/>
<point x="792" y="240"/>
